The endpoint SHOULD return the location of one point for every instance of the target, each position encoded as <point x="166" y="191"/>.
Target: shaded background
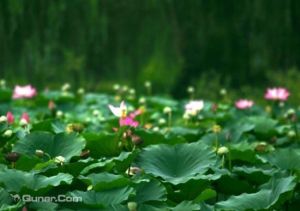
<point x="241" y="45"/>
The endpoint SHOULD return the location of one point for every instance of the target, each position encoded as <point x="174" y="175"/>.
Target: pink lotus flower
<point x="128" y="121"/>
<point x="279" y="93"/>
<point x="24" y="92"/>
<point x="121" y="112"/>
<point x="244" y="104"/>
<point x="25" y="117"/>
<point x="10" y="117"/>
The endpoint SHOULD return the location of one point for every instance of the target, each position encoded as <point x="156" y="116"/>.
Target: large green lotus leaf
<point x="205" y="195"/>
<point x="243" y="151"/>
<point x="122" y="162"/>
<point x="265" y="198"/>
<point x="243" y="127"/>
<point x="15" y="180"/>
<point x="150" y="191"/>
<point x="263" y="125"/>
<point x="66" y="145"/>
<point x="186" y="205"/>
<point x="104" y="181"/>
<point x="104" y="198"/>
<point x="151" y="138"/>
<point x="256" y="175"/>
<point x="188" y="192"/>
<point x="177" y="163"/>
<point x="16" y="207"/>
<point x="43" y="206"/>
<point x="102" y="144"/>
<point x="288" y="158"/>
<point x="190" y="134"/>
<point x="5" y="198"/>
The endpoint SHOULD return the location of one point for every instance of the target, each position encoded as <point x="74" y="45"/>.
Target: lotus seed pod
<point x="222" y="151"/>
<point x="132" y="206"/>
<point x="12" y="157"/>
<point x="59" y="159"/>
<point x="291" y="134"/>
<point x="59" y="114"/>
<point x="7" y="133"/>
<point x="3" y="119"/>
<point x="147" y="84"/>
<point x="142" y="100"/>
<point x="80" y="91"/>
<point x="116" y="87"/>
<point x="39" y="153"/>
<point x="223" y="92"/>
<point x="167" y="110"/>
<point x="65" y="87"/>
<point x="190" y="89"/>
<point x="162" y="121"/>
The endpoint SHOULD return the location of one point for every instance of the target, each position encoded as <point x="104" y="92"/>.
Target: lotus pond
<point x="64" y="150"/>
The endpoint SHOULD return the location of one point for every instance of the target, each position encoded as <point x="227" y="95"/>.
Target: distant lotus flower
<point x="10" y="117"/>
<point x="25" y="117"/>
<point x="193" y="107"/>
<point x="121" y="112"/>
<point x="24" y="92"/>
<point x="279" y="93"/>
<point x="244" y="104"/>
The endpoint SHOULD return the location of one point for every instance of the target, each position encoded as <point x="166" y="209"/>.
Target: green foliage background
<point x="174" y="43"/>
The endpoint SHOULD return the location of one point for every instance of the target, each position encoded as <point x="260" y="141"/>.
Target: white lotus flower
<point x="119" y="111"/>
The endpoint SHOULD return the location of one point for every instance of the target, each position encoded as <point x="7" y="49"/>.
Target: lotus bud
<point x="124" y="88"/>
<point x="281" y="104"/>
<point x="142" y="100"/>
<point x="162" y="121"/>
<point x="291" y="134"/>
<point x="136" y="139"/>
<point x="148" y="84"/>
<point x="12" y="157"/>
<point x="80" y="91"/>
<point x="132" y="206"/>
<point x="59" y="114"/>
<point x="23" y="122"/>
<point x="132" y="91"/>
<point x="2" y="83"/>
<point x="216" y="128"/>
<point x="186" y="116"/>
<point x="51" y="105"/>
<point x="39" y="153"/>
<point x="291" y="111"/>
<point x="3" y="119"/>
<point x="116" y="87"/>
<point x="222" y="151"/>
<point x="155" y="129"/>
<point x="261" y="147"/>
<point x="223" y="92"/>
<point x="85" y="154"/>
<point x="190" y="90"/>
<point x="7" y="133"/>
<point x="133" y="170"/>
<point x="59" y="159"/>
<point x="167" y="110"/>
<point x="96" y="113"/>
<point x="90" y="187"/>
<point x="65" y="87"/>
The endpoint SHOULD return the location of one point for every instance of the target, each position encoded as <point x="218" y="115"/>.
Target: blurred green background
<point x="241" y="45"/>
